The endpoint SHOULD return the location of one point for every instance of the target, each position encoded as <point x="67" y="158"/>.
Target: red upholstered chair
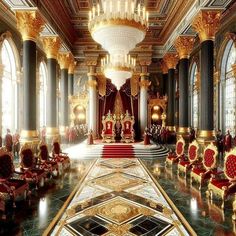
<point x="186" y="163"/>
<point x="46" y="162"/>
<point x="33" y="172"/>
<point x="127" y="131"/>
<point x="108" y="131"/>
<point x="11" y="187"/>
<point x="223" y="184"/>
<point x="179" y="152"/>
<point x="60" y="156"/>
<point x="202" y="171"/>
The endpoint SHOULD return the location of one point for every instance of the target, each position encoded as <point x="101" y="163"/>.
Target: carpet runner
<point x="118" y="151"/>
<point x="119" y="197"/>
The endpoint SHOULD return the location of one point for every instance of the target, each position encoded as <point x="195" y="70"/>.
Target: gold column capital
<point x="164" y="67"/>
<point x="72" y="67"/>
<point x="64" y="59"/>
<point x="144" y="83"/>
<point x="171" y="60"/>
<point x="51" y="45"/>
<point x="92" y="83"/>
<point x="29" y="23"/>
<point x="206" y="24"/>
<point x="184" y="46"/>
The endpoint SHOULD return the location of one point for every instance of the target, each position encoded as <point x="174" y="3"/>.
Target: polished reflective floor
<point x="205" y="217"/>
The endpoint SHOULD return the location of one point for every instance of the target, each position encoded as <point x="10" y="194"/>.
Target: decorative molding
<point x="64" y="60"/>
<point x="184" y="46"/>
<point x="102" y="82"/>
<point x="164" y="67"/>
<point x="171" y="60"/>
<point x="207" y="23"/>
<point x="134" y="85"/>
<point x="72" y="66"/>
<point x="144" y="84"/>
<point x="216" y="77"/>
<point x="29" y="23"/>
<point x="51" y="45"/>
<point x="92" y="83"/>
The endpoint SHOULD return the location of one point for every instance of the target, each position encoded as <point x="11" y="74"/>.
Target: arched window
<point x="9" y="87"/>
<point x="194" y="96"/>
<point x="228" y="93"/>
<point x="42" y="94"/>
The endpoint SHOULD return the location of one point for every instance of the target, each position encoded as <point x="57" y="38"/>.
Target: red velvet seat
<point x="108" y="131"/>
<point x="11" y="188"/>
<point x="179" y="152"/>
<point x="47" y="163"/>
<point x="33" y="172"/>
<point x="202" y="171"/>
<point x="224" y="184"/>
<point x="127" y="131"/>
<point x="185" y="164"/>
<point x="60" y="156"/>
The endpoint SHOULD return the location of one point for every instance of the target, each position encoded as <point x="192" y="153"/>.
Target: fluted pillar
<point x="206" y="24"/>
<point x="51" y="46"/>
<point x="171" y="60"/>
<point x="92" y="83"/>
<point x="30" y="24"/>
<point x="64" y="60"/>
<point x="184" y="46"/>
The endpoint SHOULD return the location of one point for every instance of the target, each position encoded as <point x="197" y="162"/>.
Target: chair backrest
<point x="209" y="156"/>
<point x="127" y="123"/>
<point x="193" y="151"/>
<point x="230" y="165"/>
<point x="27" y="156"/>
<point x="43" y="151"/>
<point x="180" y="144"/>
<point x="6" y="164"/>
<point x="56" y="148"/>
<point x="108" y="123"/>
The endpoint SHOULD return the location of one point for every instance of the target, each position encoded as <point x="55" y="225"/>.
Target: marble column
<point x="64" y="60"/>
<point x="71" y="77"/>
<point x="51" y="46"/>
<point x="164" y="77"/>
<point x="30" y="24"/>
<point x="92" y="83"/>
<point x="1" y="75"/>
<point x="184" y="46"/>
<point x="171" y="60"/>
<point x="206" y="24"/>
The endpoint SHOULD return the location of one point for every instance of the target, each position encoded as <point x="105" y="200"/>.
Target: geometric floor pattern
<point x="118" y="197"/>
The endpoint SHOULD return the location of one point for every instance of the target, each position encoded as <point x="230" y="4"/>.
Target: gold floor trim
<point x="178" y="213"/>
<point x="77" y="189"/>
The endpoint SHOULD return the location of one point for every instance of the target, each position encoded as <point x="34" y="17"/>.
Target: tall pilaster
<point x="171" y="60"/>
<point x="1" y="75"/>
<point x="71" y="77"/>
<point x="144" y="84"/>
<point x="51" y="46"/>
<point x="30" y="24"/>
<point x="93" y="106"/>
<point x="206" y="24"/>
<point x="64" y="60"/>
<point x="164" y="70"/>
<point x="184" y="46"/>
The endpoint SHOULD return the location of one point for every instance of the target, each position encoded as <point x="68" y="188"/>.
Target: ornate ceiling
<point x="168" y="19"/>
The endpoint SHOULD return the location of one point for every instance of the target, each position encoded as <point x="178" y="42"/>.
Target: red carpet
<point x="118" y="151"/>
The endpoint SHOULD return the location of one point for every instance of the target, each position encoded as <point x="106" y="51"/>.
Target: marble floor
<point x="34" y="216"/>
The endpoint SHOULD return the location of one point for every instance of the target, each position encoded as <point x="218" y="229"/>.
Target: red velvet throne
<point x="127" y="131"/>
<point x="108" y="131"/>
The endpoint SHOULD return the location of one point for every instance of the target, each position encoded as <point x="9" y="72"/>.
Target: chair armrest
<point x="217" y="175"/>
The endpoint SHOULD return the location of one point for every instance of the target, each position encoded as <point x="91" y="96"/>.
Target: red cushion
<point x="108" y="129"/>
<point x="44" y="152"/>
<point x="56" y="148"/>
<point x="230" y="166"/>
<point x="198" y="171"/>
<point x="27" y="158"/>
<point x="179" y="148"/>
<point x="17" y="183"/>
<point x="192" y="152"/>
<point x="184" y="163"/>
<point x="220" y="183"/>
<point x="209" y="159"/>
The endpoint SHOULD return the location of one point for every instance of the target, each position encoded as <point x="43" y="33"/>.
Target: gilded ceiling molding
<point x="171" y="60"/>
<point x="72" y="66"/>
<point x="64" y="60"/>
<point x="206" y="24"/>
<point x="184" y="46"/>
<point x="29" y="23"/>
<point x="164" y="67"/>
<point x="51" y="45"/>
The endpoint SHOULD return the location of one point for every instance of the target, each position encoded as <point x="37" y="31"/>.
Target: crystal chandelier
<point x="118" y="69"/>
<point x="118" y="26"/>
